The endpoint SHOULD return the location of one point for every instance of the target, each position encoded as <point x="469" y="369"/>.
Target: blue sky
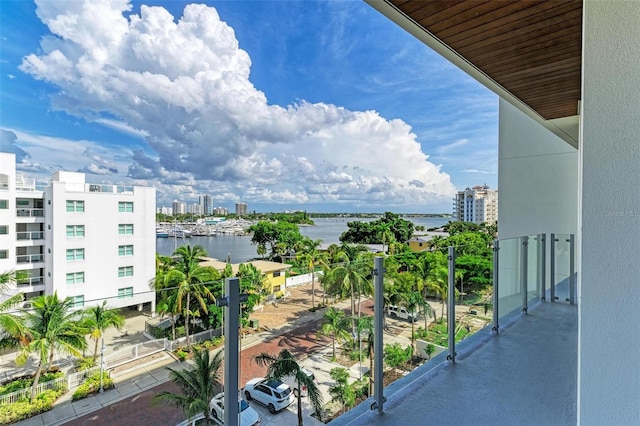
<point x="316" y="105"/>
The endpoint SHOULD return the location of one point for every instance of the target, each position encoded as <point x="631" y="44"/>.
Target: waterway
<point x="240" y="249"/>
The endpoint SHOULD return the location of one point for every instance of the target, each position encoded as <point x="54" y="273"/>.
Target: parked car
<point x="401" y="312"/>
<point x="248" y="416"/>
<point x="271" y="393"/>
<point x="293" y="383"/>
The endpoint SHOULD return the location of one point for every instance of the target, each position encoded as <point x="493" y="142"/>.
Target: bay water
<point x="239" y="248"/>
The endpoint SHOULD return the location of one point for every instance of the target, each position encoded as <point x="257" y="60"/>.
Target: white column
<point x="609" y="247"/>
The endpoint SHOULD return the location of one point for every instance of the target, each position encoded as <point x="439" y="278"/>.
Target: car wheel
<point x="272" y="409"/>
<point x="247" y="395"/>
<point x="393" y="315"/>
<point x="215" y="414"/>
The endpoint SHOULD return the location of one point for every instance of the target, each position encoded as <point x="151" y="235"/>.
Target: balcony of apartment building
<point x="29" y="234"/>
<point x="30" y="257"/>
<point x="29" y="210"/>
<point x="521" y="368"/>
<point x="33" y="282"/>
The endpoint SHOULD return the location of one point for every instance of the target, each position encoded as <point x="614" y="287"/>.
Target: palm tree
<point x="51" y="325"/>
<point x="351" y="278"/>
<point x="98" y="319"/>
<point x="310" y="255"/>
<point x="187" y="278"/>
<point x="413" y="302"/>
<point x="439" y="283"/>
<point x="11" y="331"/>
<point x="366" y="325"/>
<point x="198" y="385"/>
<point x="285" y="364"/>
<point x="335" y="326"/>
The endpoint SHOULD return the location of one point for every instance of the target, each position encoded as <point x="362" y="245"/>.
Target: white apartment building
<point x="178" y="207"/>
<point x="84" y="241"/>
<point x="478" y="204"/>
<point x="241" y="209"/>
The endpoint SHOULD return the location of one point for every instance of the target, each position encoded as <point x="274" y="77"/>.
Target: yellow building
<point x="274" y="271"/>
<point x="418" y="244"/>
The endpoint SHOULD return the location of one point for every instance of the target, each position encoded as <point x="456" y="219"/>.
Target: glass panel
<point x="509" y="281"/>
<point x="561" y="278"/>
<point x="534" y="282"/>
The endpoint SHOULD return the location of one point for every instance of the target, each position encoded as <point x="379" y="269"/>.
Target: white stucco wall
<point x="537" y="178"/>
<point x="609" y="290"/>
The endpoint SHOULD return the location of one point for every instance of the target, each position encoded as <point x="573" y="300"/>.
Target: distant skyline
<point x="324" y="106"/>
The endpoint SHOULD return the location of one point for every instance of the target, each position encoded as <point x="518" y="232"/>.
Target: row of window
<point x="123" y="293"/>
<point x="78" y="253"/>
<point x="78" y="277"/>
<point x="77" y="206"/>
<point x="77" y="231"/>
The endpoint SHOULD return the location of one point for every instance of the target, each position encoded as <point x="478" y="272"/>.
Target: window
<point x="125" y="206"/>
<point x="125" y="250"/>
<point x="125" y="229"/>
<point x="75" y="254"/>
<point x="22" y="203"/>
<point x="4" y="229"/>
<point x="75" y="278"/>
<point x="277" y="274"/>
<point x="74" y="231"/>
<point x="75" y="206"/>
<point x="78" y="301"/>
<point x="4" y="254"/>
<point x="125" y="293"/>
<point x="125" y="271"/>
<point x="4" y="204"/>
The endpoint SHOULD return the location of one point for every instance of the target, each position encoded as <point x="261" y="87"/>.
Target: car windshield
<point x="243" y="405"/>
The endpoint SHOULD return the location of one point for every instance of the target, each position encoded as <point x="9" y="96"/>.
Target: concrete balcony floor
<point x="527" y="375"/>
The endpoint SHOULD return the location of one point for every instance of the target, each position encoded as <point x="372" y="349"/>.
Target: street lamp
<point x="102" y="367"/>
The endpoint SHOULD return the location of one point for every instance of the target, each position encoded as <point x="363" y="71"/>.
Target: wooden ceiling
<point x="532" y="48"/>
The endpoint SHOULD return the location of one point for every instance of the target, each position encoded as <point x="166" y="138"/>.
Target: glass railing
<point x="561" y="268"/>
<point x="534" y="270"/>
<point x="30" y="235"/>
<point x="30" y="258"/>
<point x="30" y="212"/>
<point x="509" y="289"/>
<point x="31" y="282"/>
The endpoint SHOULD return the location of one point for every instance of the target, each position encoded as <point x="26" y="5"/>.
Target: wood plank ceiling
<point x="532" y="48"/>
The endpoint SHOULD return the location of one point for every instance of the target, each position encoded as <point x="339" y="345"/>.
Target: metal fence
<point x="135" y="352"/>
<point x="195" y="338"/>
<point x="55" y="384"/>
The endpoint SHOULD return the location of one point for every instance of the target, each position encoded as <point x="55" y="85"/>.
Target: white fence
<point x="195" y="338"/>
<point x="302" y="279"/>
<point x="135" y="352"/>
<point x="10" y="398"/>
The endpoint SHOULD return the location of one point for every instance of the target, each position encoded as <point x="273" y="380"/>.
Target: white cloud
<point x="183" y="84"/>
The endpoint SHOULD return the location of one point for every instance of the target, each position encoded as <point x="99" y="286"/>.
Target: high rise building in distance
<point x="478" y="204"/>
<point x="206" y="203"/>
<point x="241" y="209"/>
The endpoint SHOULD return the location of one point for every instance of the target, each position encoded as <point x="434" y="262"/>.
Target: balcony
<point x="522" y="369"/>
<point x="29" y="258"/>
<point x="30" y="212"/>
<point x="29" y="235"/>
<point x="30" y="282"/>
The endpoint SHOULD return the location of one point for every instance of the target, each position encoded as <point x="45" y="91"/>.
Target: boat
<point x="161" y="233"/>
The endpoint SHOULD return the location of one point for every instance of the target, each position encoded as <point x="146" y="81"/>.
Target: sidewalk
<point x="146" y="377"/>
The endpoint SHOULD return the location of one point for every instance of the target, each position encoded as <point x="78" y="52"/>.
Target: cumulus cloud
<point x="183" y="84"/>
<point x="9" y="143"/>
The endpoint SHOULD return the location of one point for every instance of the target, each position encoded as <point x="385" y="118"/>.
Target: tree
<point x="366" y="325"/>
<point x="395" y="356"/>
<point x="341" y="391"/>
<point x="285" y="364"/>
<point x="350" y="279"/>
<point x="413" y="301"/>
<point x="198" y="385"/>
<point x="98" y="319"/>
<point x="187" y="279"/>
<point x="12" y="332"/>
<point x="270" y="234"/>
<point x="335" y="325"/>
<point x="309" y="254"/>
<point x="51" y="326"/>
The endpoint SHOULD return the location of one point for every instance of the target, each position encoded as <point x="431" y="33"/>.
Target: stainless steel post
<point x="378" y="368"/>
<point x="231" y="346"/>
<point x="496" y="264"/>
<point x="542" y="265"/>
<point x="552" y="266"/>
<point x="524" y="273"/>
<point x="451" y="305"/>
<point x="572" y="269"/>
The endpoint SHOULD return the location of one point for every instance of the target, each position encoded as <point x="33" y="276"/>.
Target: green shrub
<point x="27" y="381"/>
<point x="395" y="356"/>
<point x="85" y="363"/>
<point x="181" y="354"/>
<point x="11" y="413"/>
<point x="92" y="385"/>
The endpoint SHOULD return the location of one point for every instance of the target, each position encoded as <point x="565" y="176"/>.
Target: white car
<point x="271" y="393"/>
<point x="197" y="420"/>
<point x="248" y="416"/>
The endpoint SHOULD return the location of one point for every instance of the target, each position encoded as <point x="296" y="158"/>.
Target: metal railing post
<point x="552" y="266"/>
<point x="231" y="345"/>
<point x="524" y="273"/>
<point x="496" y="264"/>
<point x="451" y="305"/>
<point x="572" y="269"/>
<point x="378" y="324"/>
<point x="542" y="265"/>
